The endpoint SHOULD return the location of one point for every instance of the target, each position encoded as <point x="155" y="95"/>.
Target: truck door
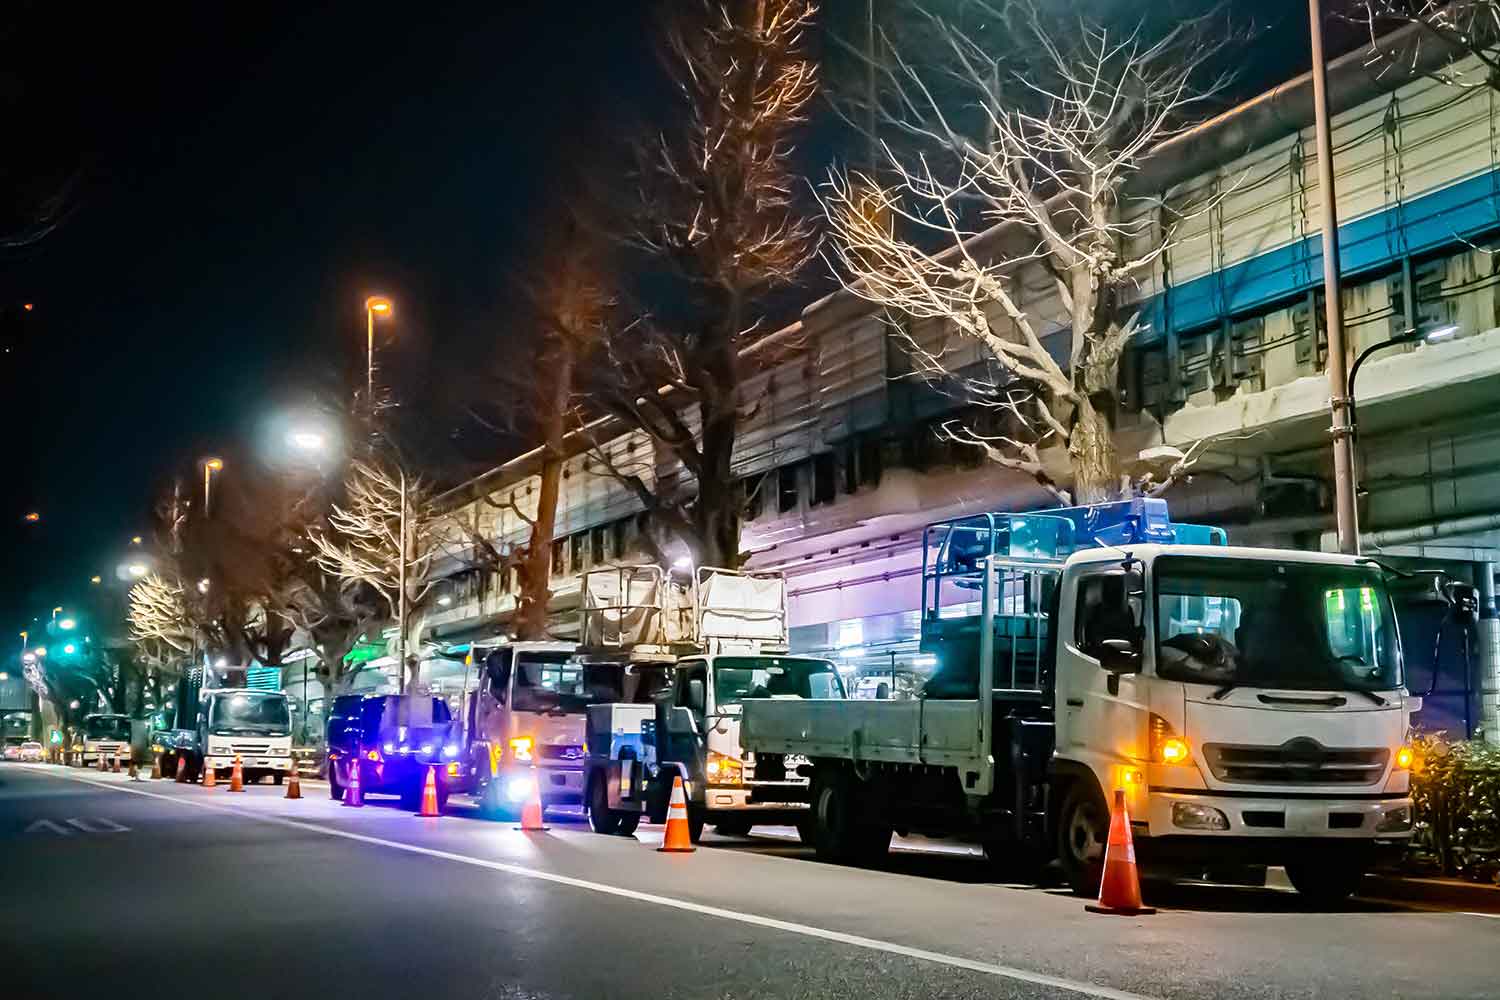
<point x="1102" y="713"/>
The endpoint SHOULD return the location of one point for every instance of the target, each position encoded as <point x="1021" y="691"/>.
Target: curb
<point x="1447" y="893"/>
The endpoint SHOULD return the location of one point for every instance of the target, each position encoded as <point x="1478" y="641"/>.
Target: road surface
<point x="126" y="889"/>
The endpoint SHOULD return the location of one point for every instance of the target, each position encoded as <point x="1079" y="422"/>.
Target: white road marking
<point x="98" y="824"/>
<point x="1475" y="913"/>
<point x="47" y="826"/>
<point x="756" y="920"/>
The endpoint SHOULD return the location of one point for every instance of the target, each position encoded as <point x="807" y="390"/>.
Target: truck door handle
<point x="1075" y="702"/>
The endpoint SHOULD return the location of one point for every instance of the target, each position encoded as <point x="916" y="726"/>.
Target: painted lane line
<point x="755" y="920"/>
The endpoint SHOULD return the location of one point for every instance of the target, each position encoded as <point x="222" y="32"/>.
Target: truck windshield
<point x="1303" y="626"/>
<point x="739" y="677"/>
<point x="106" y="727"/>
<point x="250" y="713"/>
<point x="559" y="684"/>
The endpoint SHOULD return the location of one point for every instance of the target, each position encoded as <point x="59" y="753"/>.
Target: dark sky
<point x="248" y="173"/>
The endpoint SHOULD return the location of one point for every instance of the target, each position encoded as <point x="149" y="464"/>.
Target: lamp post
<point x="210" y="466"/>
<point x="1345" y="511"/>
<point x="1408" y="336"/>
<point x="374" y="305"/>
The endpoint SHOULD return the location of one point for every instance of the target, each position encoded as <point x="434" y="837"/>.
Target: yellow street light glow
<point x="33" y="517"/>
<point x="216" y="464"/>
<point x="136" y="570"/>
<point x="380" y="305"/>
<point x="135" y="540"/>
<point x="96" y="579"/>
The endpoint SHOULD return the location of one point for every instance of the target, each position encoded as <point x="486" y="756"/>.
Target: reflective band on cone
<point x="354" y="795"/>
<point x="678" y="839"/>
<point x="1120" y="890"/>
<point x="531" y="815"/>
<point x="209" y="778"/>
<point x="181" y="774"/>
<point x="429" y="795"/>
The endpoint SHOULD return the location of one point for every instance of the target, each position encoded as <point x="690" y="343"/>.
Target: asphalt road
<point x="118" y="889"/>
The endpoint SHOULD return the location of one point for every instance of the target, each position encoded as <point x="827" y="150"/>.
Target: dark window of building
<point x="577" y="551"/>
<point x="618" y="535"/>
<point x="824" y="479"/>
<point x="755" y="495"/>
<point x="596" y="545"/>
<point x="869" y="461"/>
<point x="559" y="558"/>
<point x="786" y="489"/>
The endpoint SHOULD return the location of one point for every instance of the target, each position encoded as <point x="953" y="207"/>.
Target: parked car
<point x="393" y="740"/>
<point x="32" y="752"/>
<point x="12" y="751"/>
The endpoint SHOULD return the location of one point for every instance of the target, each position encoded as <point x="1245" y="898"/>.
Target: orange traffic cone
<point x="103" y="763"/>
<point x="293" y="785"/>
<point x="531" y="815"/>
<point x="1120" y="891"/>
<point x="354" y="795"/>
<point x="209" y="778"/>
<point x="678" y="839"/>
<point x="115" y="765"/>
<point x="155" y="767"/>
<point x="429" y="795"/>
<point x="181" y="774"/>
<point x="237" y="776"/>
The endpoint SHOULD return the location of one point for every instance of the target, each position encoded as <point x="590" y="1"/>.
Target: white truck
<point x="104" y="735"/>
<point x="725" y="637"/>
<point x="1250" y="702"/>
<point x="525" y="717"/>
<point x="214" y="724"/>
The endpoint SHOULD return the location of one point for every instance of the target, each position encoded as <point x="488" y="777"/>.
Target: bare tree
<point x="387" y="535"/>
<point x="1457" y="27"/>
<point x="1067" y="109"/>
<point x="158" y="614"/>
<point x="716" y="211"/>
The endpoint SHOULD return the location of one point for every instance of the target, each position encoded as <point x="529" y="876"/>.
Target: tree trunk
<point x="1091" y="452"/>
<point x="535" y="576"/>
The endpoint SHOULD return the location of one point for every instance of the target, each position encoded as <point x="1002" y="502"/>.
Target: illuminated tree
<point x="718" y="222"/>
<point x="1457" y="28"/>
<point x="1067" y="108"/>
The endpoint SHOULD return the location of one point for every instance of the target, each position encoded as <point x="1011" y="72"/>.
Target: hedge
<point x="1456" y="791"/>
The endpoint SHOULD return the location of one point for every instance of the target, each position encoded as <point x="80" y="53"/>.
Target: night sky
<point x="246" y="177"/>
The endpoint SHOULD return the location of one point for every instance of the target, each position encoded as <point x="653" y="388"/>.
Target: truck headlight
<point x="723" y="769"/>
<point x="1166" y="746"/>
<point x="519" y="789"/>
<point x="1192" y="816"/>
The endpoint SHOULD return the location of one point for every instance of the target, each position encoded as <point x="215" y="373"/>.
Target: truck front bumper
<point x="226" y="763"/>
<point x="557" y="785"/>
<point x="757" y="797"/>
<point x="1267" y="829"/>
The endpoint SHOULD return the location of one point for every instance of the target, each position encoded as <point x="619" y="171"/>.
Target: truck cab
<point x="213" y="724"/>
<point x="104" y="735"/>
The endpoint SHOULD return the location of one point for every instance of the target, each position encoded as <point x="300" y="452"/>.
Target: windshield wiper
<point x="1370" y="695"/>
<point x="1223" y="692"/>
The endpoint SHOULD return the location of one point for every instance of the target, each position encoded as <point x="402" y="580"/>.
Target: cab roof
<point x="1149" y="552"/>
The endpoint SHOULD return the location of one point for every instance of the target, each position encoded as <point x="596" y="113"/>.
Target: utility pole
<point x="401" y="597"/>
<point x="1345" y="512"/>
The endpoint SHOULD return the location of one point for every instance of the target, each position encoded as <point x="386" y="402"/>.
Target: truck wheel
<point x="601" y="818"/>
<point x="169" y="765"/>
<point x="837" y="835"/>
<point x="1325" y="882"/>
<point x="735" y="826"/>
<point x="695" y="823"/>
<point x="278" y="778"/>
<point x="1082" y="832"/>
<point x="335" y="790"/>
<point x="807" y="830"/>
<point x="628" y="823"/>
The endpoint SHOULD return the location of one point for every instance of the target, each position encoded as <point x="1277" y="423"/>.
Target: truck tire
<point x="169" y="765"/>
<point x="838" y="835"/>
<point x="807" y="830"/>
<point x="278" y="778"/>
<point x="1082" y="832"/>
<point x="335" y="790"/>
<point x="628" y="822"/>
<point x="1325" y="882"/>
<point x="695" y="823"/>
<point x="602" y="819"/>
<point x="733" y="826"/>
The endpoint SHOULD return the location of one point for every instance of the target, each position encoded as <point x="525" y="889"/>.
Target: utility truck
<point x="216" y="723"/>
<point x="1250" y="703"/>
<point x="523" y="731"/>
<point x="724" y="635"/>
<point x="104" y="735"/>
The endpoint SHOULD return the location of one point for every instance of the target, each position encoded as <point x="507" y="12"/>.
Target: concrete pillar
<point x="1489" y="655"/>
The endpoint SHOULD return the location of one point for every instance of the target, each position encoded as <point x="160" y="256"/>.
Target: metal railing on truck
<point x="987" y="589"/>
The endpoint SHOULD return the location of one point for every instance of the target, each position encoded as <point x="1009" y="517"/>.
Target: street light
<point x="67" y="624"/>
<point x="96" y="579"/>
<point x="374" y="305"/>
<point x="41" y="651"/>
<point x="306" y="440"/>
<point x="137" y="570"/>
<point x="33" y="517"/>
<point x="210" y="466"/>
<point x="70" y="649"/>
<point x="1409" y="336"/>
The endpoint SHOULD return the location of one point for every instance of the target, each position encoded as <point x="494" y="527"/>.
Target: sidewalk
<point x="1447" y="893"/>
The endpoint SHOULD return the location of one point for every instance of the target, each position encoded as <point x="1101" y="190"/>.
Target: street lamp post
<point x="210" y="466"/>
<point x="1345" y="511"/>
<point x="375" y="304"/>
<point x="1408" y="336"/>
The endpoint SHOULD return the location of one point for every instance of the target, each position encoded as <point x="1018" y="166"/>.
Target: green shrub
<point x="1456" y="790"/>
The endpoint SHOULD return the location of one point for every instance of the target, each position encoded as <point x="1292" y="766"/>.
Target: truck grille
<point x="561" y="752"/>
<point x="250" y="749"/>
<point x="1300" y="761"/>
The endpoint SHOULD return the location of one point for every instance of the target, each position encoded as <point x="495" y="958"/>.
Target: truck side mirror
<point x="1462" y="601"/>
<point x="695" y="694"/>
<point x="1118" y="656"/>
<point x="681" y="721"/>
